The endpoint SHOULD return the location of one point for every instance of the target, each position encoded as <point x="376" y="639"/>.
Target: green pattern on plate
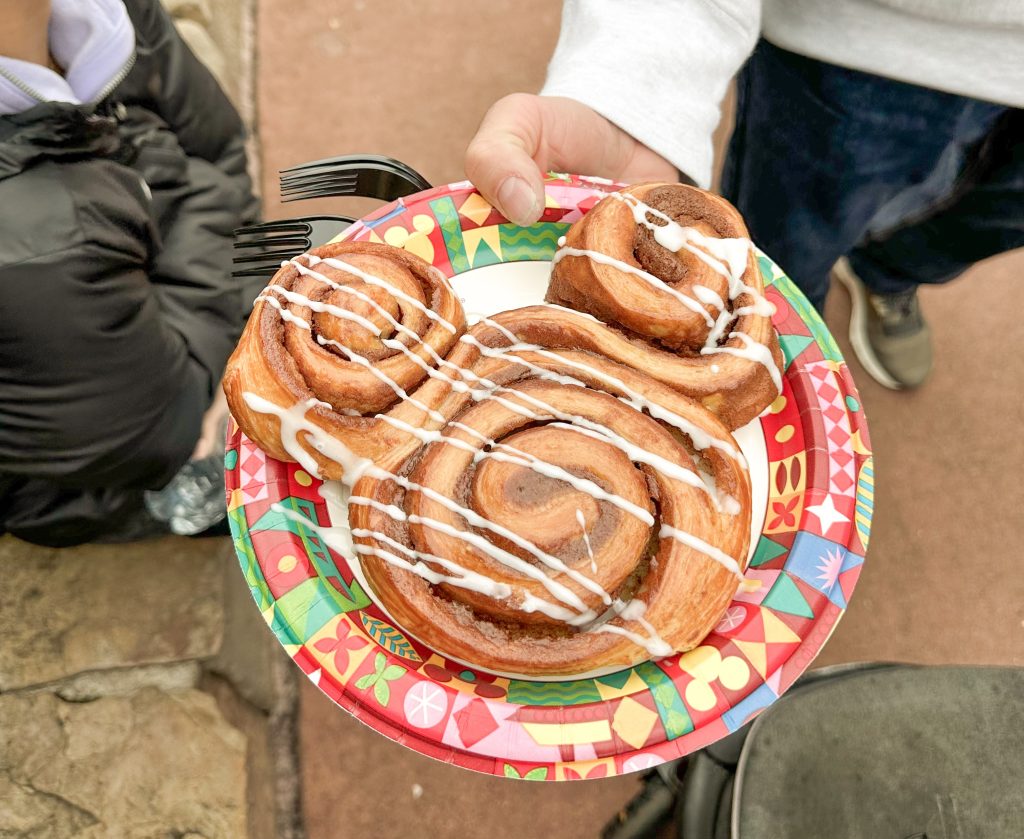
<point x="379" y="678"/>
<point x="539" y="773"/>
<point x="305" y="609"/>
<point x="277" y="519"/>
<point x="812" y="320"/>
<point x="553" y="693"/>
<point x="451" y="230"/>
<point x="247" y="559"/>
<point x="674" y="716"/>
<point x="389" y="637"/>
<point x="530" y="243"/>
<point x="766" y="551"/>
<point x="793" y="345"/>
<point x="786" y="597"/>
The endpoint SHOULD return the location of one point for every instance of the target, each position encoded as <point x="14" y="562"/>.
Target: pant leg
<point x="983" y="216"/>
<point x="819" y="150"/>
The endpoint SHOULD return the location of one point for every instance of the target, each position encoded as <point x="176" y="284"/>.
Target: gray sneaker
<point x="888" y="332"/>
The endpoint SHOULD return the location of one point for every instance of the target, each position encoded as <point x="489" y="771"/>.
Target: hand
<point x="522" y="136"/>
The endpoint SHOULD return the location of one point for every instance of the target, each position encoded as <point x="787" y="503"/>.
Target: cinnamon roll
<point x="543" y="493"/>
<point x="342" y="333"/>
<point x="572" y="513"/>
<point x="671" y="267"/>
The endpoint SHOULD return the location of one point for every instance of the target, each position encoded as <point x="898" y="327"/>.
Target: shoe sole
<point x="858" y="326"/>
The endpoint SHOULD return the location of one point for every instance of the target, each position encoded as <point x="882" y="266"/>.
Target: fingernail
<point x="518" y="201"/>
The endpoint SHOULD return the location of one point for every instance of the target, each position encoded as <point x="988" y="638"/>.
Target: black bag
<point x="858" y="752"/>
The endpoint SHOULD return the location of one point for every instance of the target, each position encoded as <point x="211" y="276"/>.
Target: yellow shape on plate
<point x="569" y="733"/>
<point x="785" y="434"/>
<point x="700" y="696"/>
<point x="775" y="631"/>
<point x="756" y="653"/>
<point x="634" y="684"/>
<point x="476" y="208"/>
<point x="633" y="722"/>
<point x="702" y="663"/>
<point x="734" y="672"/>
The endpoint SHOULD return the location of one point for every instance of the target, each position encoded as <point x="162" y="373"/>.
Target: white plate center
<point x="497" y="288"/>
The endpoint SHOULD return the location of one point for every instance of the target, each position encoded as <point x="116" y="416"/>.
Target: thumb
<point x="500" y="158"/>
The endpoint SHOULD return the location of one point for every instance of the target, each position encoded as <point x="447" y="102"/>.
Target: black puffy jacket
<point x="117" y="308"/>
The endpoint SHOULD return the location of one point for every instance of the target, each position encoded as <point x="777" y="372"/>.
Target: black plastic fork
<point x="364" y="175"/>
<point x="261" y="248"/>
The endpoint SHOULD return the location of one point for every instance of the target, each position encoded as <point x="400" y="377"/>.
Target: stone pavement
<point x="141" y="695"/>
<point x="940" y="585"/>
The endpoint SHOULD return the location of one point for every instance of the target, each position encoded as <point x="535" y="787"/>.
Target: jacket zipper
<point x="108" y="88"/>
<point x="24" y="88"/>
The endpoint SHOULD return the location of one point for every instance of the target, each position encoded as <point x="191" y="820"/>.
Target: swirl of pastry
<point x="570" y="514"/>
<point x="343" y="332"/>
<point x="673" y="266"/>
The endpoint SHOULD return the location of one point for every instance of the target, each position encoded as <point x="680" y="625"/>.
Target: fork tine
<point x="273" y="242"/>
<point x="339" y="183"/>
<point x="319" y="193"/>
<point x="319" y="173"/>
<point x="366" y="170"/>
<point x="283" y="226"/>
<point x="309" y="180"/>
<point x="337" y="171"/>
<point x="348" y="169"/>
<point x="262" y="248"/>
<point x="357" y="160"/>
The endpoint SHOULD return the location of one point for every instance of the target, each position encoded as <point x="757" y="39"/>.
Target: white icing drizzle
<point x="286" y="315"/>
<point x="509" y="560"/>
<point x="557" y="308"/>
<point x="754" y="351"/>
<point x="726" y="256"/>
<point x="586" y="539"/>
<point x="709" y="297"/>
<point x="626" y="268"/>
<point x="369" y="279"/>
<point x="634" y="610"/>
<point x="324" y="308"/>
<point x="700" y="438"/>
<point x="293" y="421"/>
<point x="339" y="539"/>
<point x="520" y="458"/>
<point x="532" y="603"/>
<point x="698" y="544"/>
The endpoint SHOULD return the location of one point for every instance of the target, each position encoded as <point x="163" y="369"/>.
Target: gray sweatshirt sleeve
<point x="656" y="68"/>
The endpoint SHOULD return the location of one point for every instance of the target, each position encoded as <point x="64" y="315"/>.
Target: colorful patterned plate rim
<point x="807" y="559"/>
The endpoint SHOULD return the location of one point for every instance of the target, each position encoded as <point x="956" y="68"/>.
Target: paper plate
<point x="812" y="469"/>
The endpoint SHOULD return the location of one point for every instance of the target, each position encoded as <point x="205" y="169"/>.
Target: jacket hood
<point x="55" y="131"/>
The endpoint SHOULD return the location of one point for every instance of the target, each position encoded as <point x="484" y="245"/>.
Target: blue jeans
<point x="913" y="185"/>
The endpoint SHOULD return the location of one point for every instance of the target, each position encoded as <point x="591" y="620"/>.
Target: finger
<point x="500" y="159"/>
